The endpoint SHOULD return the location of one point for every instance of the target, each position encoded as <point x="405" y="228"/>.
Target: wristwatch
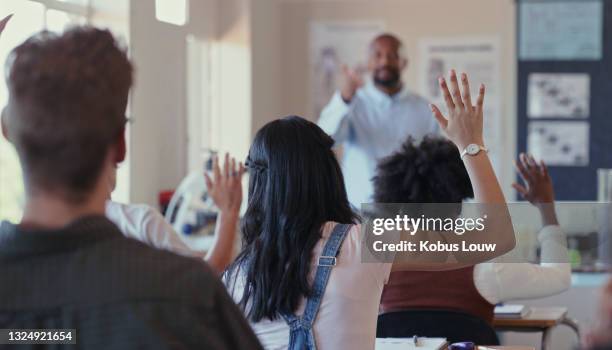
<point x="473" y="149"/>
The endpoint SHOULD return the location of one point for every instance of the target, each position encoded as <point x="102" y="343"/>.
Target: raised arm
<point x="225" y="188"/>
<point x="333" y="119"/>
<point x="537" y="188"/>
<point x="464" y="127"/>
<point x="497" y="281"/>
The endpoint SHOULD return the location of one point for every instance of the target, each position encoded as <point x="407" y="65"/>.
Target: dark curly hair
<point x="431" y="172"/>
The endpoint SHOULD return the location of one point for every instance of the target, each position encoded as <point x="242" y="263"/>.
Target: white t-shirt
<point x="349" y="308"/>
<point x="497" y="282"/>
<point x="145" y="224"/>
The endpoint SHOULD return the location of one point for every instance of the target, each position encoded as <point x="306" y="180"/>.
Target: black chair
<point x="453" y="325"/>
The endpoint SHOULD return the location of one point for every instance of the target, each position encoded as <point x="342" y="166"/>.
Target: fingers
<point x="216" y="169"/>
<point x="226" y="165"/>
<point x="522" y="171"/>
<point x="480" y="99"/>
<point x="442" y="121"/>
<point x="209" y="183"/>
<point x="455" y="92"/>
<point x="543" y="168"/>
<point x="531" y="161"/>
<point x="233" y="171"/>
<point x="467" y="98"/>
<point x="530" y="165"/>
<point x="520" y="189"/>
<point x="241" y="171"/>
<point x="446" y="93"/>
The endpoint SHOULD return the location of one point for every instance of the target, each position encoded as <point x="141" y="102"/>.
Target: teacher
<point x="372" y="120"/>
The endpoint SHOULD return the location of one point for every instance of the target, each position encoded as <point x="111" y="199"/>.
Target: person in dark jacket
<point x="64" y="266"/>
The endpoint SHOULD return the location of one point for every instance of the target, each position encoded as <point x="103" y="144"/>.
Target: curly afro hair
<point x="431" y="172"/>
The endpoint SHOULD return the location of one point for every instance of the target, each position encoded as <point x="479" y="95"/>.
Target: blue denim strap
<point x="301" y="336"/>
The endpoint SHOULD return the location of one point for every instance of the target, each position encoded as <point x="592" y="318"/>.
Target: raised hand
<point x="464" y="124"/>
<point x="225" y="187"/>
<point x="538" y="187"/>
<point x="352" y="81"/>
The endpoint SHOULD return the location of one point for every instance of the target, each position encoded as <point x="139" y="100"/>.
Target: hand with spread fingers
<point x="352" y="81"/>
<point x="464" y="123"/>
<point x="225" y="187"/>
<point x="538" y="187"/>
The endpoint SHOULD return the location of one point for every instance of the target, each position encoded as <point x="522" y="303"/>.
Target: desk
<point x="539" y="319"/>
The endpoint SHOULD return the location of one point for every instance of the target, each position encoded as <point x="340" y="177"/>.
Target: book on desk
<point x="511" y="311"/>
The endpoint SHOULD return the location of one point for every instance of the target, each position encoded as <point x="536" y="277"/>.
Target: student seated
<point x="65" y="266"/>
<point x="299" y="278"/>
<point x="143" y="223"/>
<point x="433" y="172"/>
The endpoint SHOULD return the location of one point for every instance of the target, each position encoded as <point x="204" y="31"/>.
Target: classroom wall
<point x="410" y="20"/>
<point x="259" y="70"/>
<point x="162" y="104"/>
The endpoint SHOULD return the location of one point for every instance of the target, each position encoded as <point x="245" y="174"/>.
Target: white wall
<point x="411" y="20"/>
<point x="259" y="70"/>
<point x="161" y="100"/>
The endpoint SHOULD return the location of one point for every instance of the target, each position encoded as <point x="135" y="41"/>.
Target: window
<point x="171" y="11"/>
<point x="29" y="17"/>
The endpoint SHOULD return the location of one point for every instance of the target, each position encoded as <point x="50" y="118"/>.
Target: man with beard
<point x="372" y="120"/>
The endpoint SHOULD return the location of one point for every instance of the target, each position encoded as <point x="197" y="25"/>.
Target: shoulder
<point x="135" y="212"/>
<point x="350" y="250"/>
<point x="133" y="270"/>
<point x="140" y="221"/>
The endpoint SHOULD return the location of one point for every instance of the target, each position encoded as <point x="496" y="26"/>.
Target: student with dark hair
<point x="433" y="172"/>
<point x="65" y="266"/>
<point x="299" y="278"/>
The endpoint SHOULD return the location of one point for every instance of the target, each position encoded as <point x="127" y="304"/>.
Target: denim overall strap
<point x="301" y="336"/>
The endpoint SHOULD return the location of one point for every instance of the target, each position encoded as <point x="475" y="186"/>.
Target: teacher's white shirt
<point x="372" y="126"/>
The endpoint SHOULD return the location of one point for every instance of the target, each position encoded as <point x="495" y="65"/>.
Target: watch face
<point x="473" y="149"/>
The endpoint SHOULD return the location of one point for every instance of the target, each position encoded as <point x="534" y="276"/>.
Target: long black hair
<point x="295" y="186"/>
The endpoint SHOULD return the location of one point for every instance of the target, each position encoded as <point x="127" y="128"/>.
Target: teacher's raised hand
<point x="351" y="82"/>
<point x="464" y="123"/>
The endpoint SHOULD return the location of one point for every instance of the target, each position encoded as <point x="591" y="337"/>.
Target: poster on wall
<point x="333" y="44"/>
<point x="559" y="143"/>
<point x="479" y="58"/>
<point x="558" y="95"/>
<point x="561" y="30"/>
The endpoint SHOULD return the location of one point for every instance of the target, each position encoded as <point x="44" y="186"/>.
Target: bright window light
<point x="171" y="11"/>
